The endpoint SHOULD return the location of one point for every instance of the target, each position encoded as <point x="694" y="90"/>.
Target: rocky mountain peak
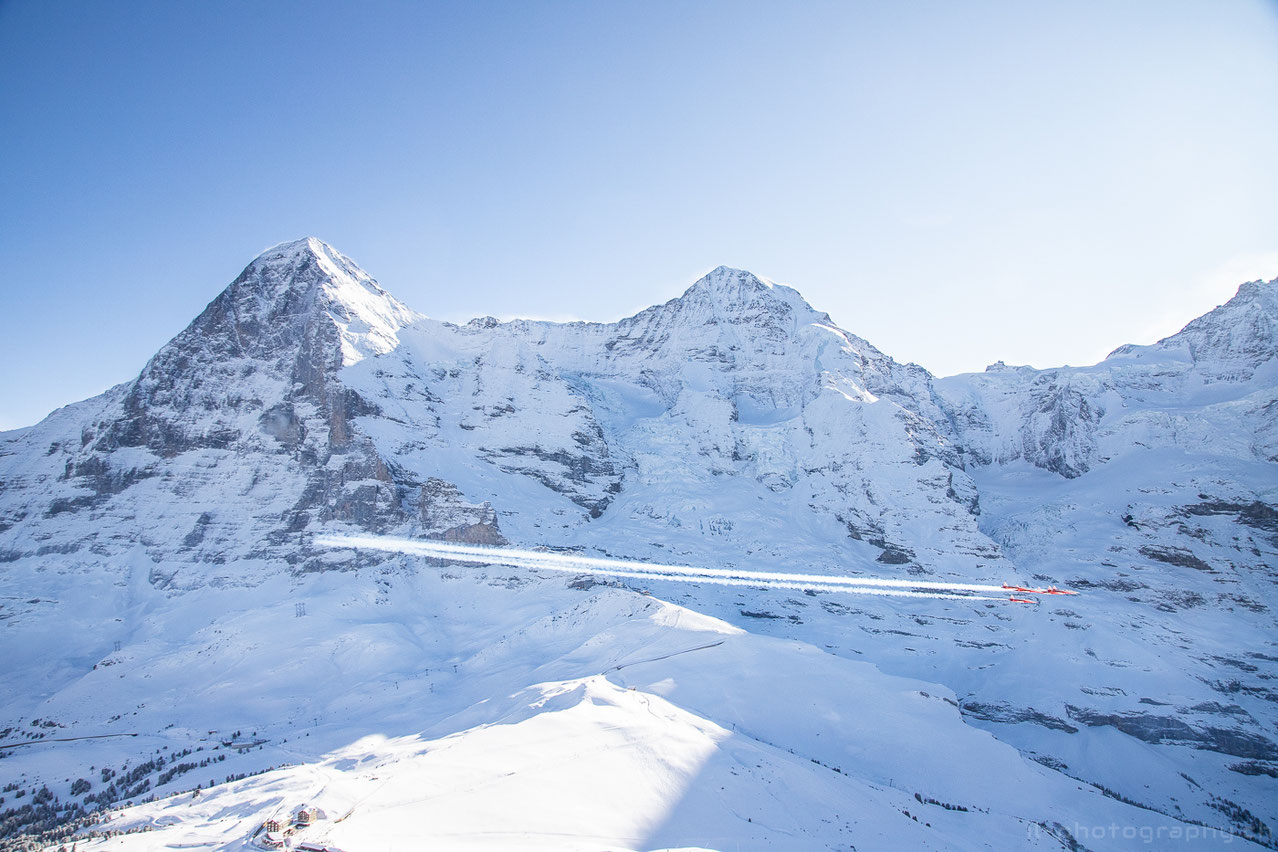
<point x="275" y="336"/>
<point x="294" y="283"/>
<point x="725" y="278"/>
<point x="740" y="292"/>
<point x="1247" y="321"/>
<point x="1262" y="292"/>
<point x="1229" y="343"/>
<point x="744" y="310"/>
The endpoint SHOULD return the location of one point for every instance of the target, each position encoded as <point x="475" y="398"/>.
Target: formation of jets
<point x="1026" y="590"/>
<point x="580" y="563"/>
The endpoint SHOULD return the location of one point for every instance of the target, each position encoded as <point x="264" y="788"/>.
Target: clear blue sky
<point x="957" y="182"/>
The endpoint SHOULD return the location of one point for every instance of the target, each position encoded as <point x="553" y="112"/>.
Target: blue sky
<point x="956" y="182"/>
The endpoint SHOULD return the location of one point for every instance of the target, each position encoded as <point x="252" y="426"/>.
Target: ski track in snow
<point x="678" y="573"/>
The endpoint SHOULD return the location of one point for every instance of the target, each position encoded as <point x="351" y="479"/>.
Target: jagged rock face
<point x="281" y="330"/>
<point x="447" y="515"/>
<point x="240" y="427"/>
<point x="1049" y="419"/>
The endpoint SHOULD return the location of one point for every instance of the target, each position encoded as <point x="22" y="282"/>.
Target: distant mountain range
<point x="160" y="575"/>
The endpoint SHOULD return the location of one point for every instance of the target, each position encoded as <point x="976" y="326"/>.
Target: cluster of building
<point x="279" y="832"/>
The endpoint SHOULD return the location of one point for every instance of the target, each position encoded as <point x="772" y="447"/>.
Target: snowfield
<point x="584" y="720"/>
<point x="717" y="576"/>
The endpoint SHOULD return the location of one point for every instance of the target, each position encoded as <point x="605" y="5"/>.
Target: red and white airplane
<point x="1050" y="590"/>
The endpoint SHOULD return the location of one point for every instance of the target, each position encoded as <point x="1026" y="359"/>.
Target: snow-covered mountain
<point x="162" y="578"/>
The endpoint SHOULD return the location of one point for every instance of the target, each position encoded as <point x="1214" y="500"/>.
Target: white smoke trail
<point x="575" y="564"/>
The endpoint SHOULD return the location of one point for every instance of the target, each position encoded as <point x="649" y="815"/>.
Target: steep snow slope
<point x="176" y="516"/>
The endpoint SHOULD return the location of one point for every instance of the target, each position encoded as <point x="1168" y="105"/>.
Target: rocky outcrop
<point x="1159" y="729"/>
<point x="1007" y="714"/>
<point x="445" y="514"/>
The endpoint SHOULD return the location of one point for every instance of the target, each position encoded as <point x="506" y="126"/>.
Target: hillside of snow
<point x="166" y="588"/>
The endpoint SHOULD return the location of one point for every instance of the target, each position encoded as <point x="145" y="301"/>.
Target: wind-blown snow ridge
<point x="655" y="571"/>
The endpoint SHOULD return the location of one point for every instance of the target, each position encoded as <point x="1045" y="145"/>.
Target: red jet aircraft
<point x="1050" y="590"/>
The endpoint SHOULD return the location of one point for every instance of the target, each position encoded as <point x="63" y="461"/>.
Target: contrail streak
<point x="575" y="564"/>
